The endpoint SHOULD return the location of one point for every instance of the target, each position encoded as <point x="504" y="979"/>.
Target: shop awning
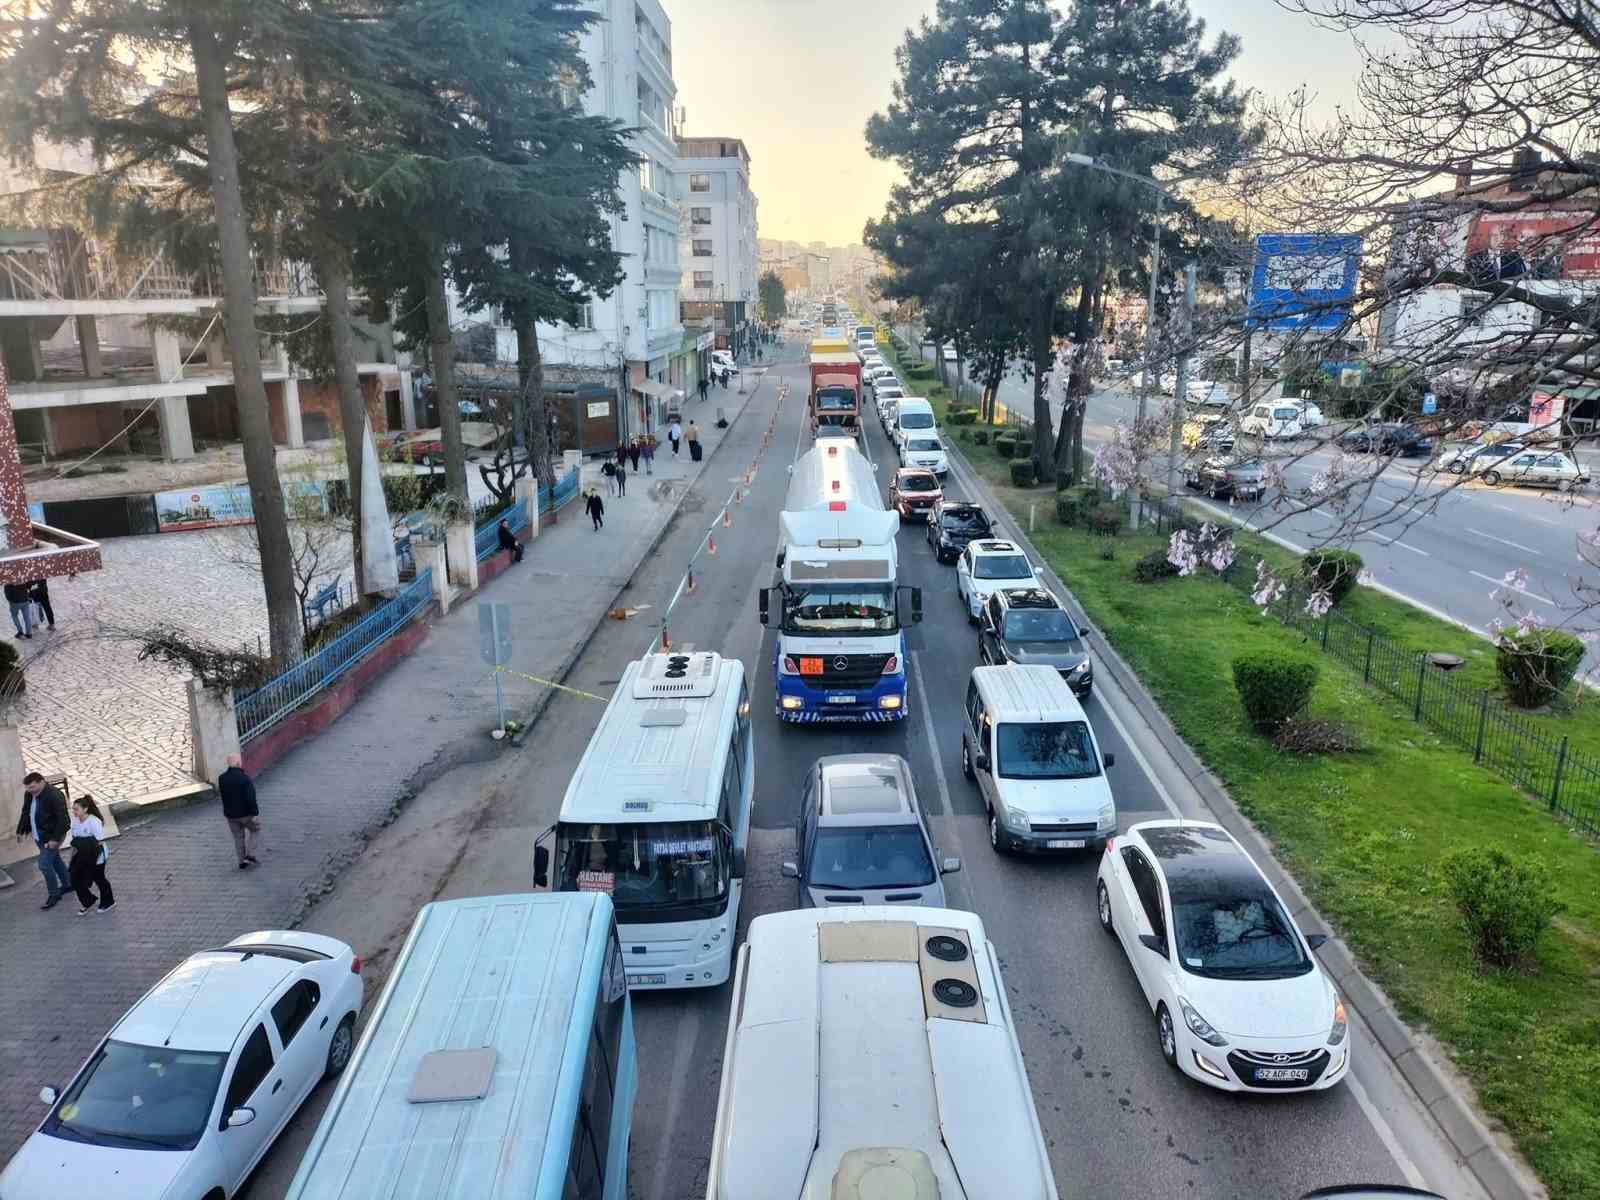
<point x="658" y="391"/>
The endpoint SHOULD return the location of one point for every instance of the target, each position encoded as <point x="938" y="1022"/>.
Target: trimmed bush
<point x="1153" y="566"/>
<point x="1332" y="571"/>
<point x="1006" y="444"/>
<point x="1023" y="449"/>
<point x="961" y="416"/>
<point x="1537" y="666"/>
<point x="1073" y="505"/>
<point x="12" y="679"/>
<point x="980" y="437"/>
<point x="1273" y="688"/>
<point x="1505" y="902"/>
<point x="1107" y="519"/>
<point x="1022" y="472"/>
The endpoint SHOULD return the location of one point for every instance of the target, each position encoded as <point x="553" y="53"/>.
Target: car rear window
<point x="918" y="482"/>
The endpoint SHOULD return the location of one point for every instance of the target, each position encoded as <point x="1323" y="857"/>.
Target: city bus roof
<point x="899" y="1019"/>
<point x="659" y="750"/>
<point x="514" y="975"/>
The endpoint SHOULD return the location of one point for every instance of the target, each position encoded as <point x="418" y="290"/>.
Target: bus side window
<point x="730" y="791"/>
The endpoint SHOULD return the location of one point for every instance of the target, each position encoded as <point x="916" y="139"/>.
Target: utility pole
<point x="1180" y="400"/>
<point x="1149" y="339"/>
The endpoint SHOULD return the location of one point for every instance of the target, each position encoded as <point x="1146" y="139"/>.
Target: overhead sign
<point x="1304" y="280"/>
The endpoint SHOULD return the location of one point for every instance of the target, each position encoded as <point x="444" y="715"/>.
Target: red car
<point x="914" y="492"/>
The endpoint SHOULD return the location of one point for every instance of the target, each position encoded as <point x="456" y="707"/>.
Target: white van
<point x="1027" y="744"/>
<point x="1274" y="419"/>
<point x="913" y="416"/>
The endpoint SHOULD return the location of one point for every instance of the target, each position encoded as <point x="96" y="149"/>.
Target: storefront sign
<point x="204" y="507"/>
<point x="598" y="409"/>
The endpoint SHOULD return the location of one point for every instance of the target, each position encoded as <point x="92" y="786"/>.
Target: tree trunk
<point x="992" y="392"/>
<point x="1044" y="459"/>
<point x="530" y="377"/>
<point x="333" y="269"/>
<point x="440" y="358"/>
<point x="284" y="629"/>
<point x="1069" y="444"/>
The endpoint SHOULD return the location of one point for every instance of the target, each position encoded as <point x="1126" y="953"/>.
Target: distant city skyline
<point x="809" y="161"/>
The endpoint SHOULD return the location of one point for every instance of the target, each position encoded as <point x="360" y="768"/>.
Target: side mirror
<point x="48" y="1095"/>
<point x="950" y="866"/>
<point x="737" y="871"/>
<point x="541" y="866"/>
<point x="791" y="871"/>
<point x="1316" y="940"/>
<point x="763" y="603"/>
<point x="1110" y="761"/>
<point x="240" y="1116"/>
<point x="1151" y="942"/>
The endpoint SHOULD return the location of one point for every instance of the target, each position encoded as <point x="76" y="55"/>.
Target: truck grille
<point x="1074" y="827"/>
<point x="856" y="672"/>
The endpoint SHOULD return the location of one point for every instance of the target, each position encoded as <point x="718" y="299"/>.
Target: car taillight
<point x="790" y="667"/>
<point x="355" y="965"/>
<point x="892" y="667"/>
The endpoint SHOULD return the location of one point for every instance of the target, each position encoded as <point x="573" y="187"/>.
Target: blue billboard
<point x="1303" y="281"/>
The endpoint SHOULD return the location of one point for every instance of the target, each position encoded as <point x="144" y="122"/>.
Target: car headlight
<point x="1199" y="1026"/>
<point x="1082" y="669"/>
<point x="1339" y="1028"/>
<point x="1016" y="821"/>
<point x="1108" y="815"/>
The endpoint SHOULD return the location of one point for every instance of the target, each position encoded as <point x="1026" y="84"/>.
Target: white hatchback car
<point x="193" y="1084"/>
<point x="986" y="566"/>
<point x="1240" y="1001"/>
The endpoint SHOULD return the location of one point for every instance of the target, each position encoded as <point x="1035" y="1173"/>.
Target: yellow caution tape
<point x="560" y="687"/>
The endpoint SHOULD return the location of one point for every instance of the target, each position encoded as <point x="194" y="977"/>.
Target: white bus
<point x="897" y="1020"/>
<point x="658" y="816"/>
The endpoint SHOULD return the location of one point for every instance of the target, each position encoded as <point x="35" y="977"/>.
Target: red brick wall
<point x="323" y="399"/>
<point x="82" y="427"/>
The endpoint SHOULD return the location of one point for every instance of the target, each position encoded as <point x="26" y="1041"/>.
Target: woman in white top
<point x="89" y="857"/>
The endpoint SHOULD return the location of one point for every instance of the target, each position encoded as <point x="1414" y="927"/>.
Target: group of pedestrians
<point x="677" y="435"/>
<point x="30" y="605"/>
<point x="46" y="820"/>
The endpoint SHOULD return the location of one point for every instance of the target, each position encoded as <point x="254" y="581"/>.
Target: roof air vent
<point x="957" y="993"/>
<point x="947" y="949"/>
<point x="677" y="675"/>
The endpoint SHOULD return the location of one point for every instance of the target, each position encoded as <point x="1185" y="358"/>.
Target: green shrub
<point x="1332" y="571"/>
<point x="1006" y="444"/>
<point x="1073" y="505"/>
<point x="1023" y="448"/>
<point x="1506" y="902"/>
<point x="980" y="437"/>
<point x="1153" y="566"/>
<point x="1107" y="519"/>
<point x="1273" y="687"/>
<point x="961" y="416"/>
<point x="12" y="679"/>
<point x="1537" y="666"/>
<point x="1022" y="472"/>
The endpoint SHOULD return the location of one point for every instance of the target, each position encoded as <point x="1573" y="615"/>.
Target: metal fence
<point x="487" y="536"/>
<point x="1501" y="738"/>
<point x="566" y="488"/>
<point x="260" y="710"/>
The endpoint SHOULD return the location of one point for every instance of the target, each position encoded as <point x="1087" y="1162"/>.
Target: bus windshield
<point x="651" y="872"/>
<point x="839" y="608"/>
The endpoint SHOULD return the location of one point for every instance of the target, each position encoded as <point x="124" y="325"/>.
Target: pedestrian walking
<point x="622" y="455"/>
<point x="674" y="435"/>
<point x="649" y="451"/>
<point x="609" y="470"/>
<point x="622" y="481"/>
<point x="508" y="542"/>
<point x="238" y="792"/>
<point x="633" y="455"/>
<point x="39" y="593"/>
<point x="693" y="437"/>
<point x="596" y="508"/>
<point x="44" y="819"/>
<point x="21" y="608"/>
<point x="89" y="858"/>
<point x="705" y="386"/>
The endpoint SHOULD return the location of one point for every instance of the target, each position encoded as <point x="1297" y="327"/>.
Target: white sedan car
<point x="191" y="1086"/>
<point x="1240" y="1002"/>
<point x="985" y="567"/>
<point x="924" y="449"/>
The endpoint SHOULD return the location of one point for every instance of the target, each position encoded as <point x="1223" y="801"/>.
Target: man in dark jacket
<point x="238" y="792"/>
<point x="44" y="819"/>
<point x="21" y="608"/>
<point x="508" y="541"/>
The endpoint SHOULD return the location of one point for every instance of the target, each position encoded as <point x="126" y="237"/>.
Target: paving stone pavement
<point x="177" y="885"/>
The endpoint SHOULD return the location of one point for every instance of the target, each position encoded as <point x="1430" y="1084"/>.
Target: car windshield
<point x="923" y="444"/>
<point x="1039" y="625"/>
<point x="153" y="1097"/>
<point x="835" y="398"/>
<point x="1002" y="566"/>
<point x="857" y="857"/>
<point x="916" y="420"/>
<point x="918" y="483"/>
<point x="663" y="865"/>
<point x="839" y="608"/>
<point x="1227" y="929"/>
<point x="965" y="520"/>
<point x="1046" y="750"/>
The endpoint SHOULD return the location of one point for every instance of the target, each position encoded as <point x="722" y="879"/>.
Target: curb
<point x="165" y="801"/>
<point x="1502" y="1176"/>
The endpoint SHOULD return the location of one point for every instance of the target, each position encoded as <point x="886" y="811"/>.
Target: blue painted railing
<point x="488" y="534"/>
<point x="261" y="709"/>
<point x="566" y="488"/>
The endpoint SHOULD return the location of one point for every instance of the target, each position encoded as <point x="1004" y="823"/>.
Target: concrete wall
<point x="319" y="407"/>
<point x="81" y="428"/>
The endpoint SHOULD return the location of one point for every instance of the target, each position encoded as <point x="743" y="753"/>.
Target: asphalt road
<point x="1119" y="1123"/>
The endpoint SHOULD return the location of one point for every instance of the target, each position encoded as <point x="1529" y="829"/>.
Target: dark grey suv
<point x="1029" y="626"/>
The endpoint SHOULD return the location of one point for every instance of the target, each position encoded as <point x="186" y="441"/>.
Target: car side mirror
<point x="541" y="866"/>
<point x="48" y="1095"/>
<point x="950" y="866"/>
<point x="791" y="871"/>
<point x="1110" y="761"/>
<point x="1151" y="942"/>
<point x="737" y="870"/>
<point x="240" y="1116"/>
<point x="763" y="605"/>
<point x="1316" y="940"/>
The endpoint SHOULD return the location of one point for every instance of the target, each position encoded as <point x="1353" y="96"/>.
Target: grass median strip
<point x="1364" y="832"/>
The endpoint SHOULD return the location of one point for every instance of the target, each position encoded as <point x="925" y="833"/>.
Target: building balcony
<point x="51" y="554"/>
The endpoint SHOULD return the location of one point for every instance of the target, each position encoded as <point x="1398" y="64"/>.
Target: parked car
<point x="1476" y="457"/>
<point x="1028" y="625"/>
<point x="948" y="353"/>
<point x="192" y="1085"/>
<point x="888" y="402"/>
<point x="918" y="450"/>
<point x="1274" y="419"/>
<point x="861" y="837"/>
<point x="1239" y="1000"/>
<point x="1208" y="431"/>
<point x="1221" y="477"/>
<point x="722" y="360"/>
<point x="954" y="523"/>
<point x="984" y="567"/>
<point x="913" y="492"/>
<point x="1538" y="468"/>
<point x="1390" y="438"/>
<point x="1208" y="394"/>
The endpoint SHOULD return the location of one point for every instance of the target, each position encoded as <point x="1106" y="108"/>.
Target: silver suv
<point x="862" y="838"/>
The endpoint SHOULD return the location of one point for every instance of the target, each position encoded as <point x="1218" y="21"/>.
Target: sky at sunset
<point x="797" y="80"/>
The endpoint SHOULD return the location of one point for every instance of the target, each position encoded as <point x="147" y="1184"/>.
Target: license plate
<point x="811" y="666"/>
<point x="841" y="699"/>
<point x="1063" y="844"/>
<point x="647" y="979"/>
<point x="1282" y="1074"/>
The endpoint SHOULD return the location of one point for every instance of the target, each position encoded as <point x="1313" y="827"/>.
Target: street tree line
<point x="399" y="147"/>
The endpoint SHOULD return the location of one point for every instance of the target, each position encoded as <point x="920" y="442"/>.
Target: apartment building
<point x="718" y="247"/>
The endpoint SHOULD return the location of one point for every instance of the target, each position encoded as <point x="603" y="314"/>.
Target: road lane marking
<point x="1500" y="583"/>
<point x="1394" y="541"/>
<point x="933" y="741"/>
<point x="1504" y="541"/>
<point x="1386" y="1135"/>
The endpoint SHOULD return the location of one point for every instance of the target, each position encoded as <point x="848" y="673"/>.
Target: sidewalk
<point x="178" y="886"/>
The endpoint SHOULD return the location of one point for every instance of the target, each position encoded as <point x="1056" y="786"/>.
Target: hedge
<point x="1022" y="472"/>
<point x="1154" y="566"/>
<point x="1332" y="571"/>
<point x="1073" y="505"/>
<point x="1537" y="666"/>
<point x="1005" y="444"/>
<point x="961" y="416"/>
<point x="1273" y="687"/>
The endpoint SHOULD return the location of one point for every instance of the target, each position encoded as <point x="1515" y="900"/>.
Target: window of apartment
<point x="700" y="216"/>
<point x="702" y="279"/>
<point x="702" y="247"/>
<point x="699" y="182"/>
<point x="585" y="316"/>
<point x="652" y="108"/>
